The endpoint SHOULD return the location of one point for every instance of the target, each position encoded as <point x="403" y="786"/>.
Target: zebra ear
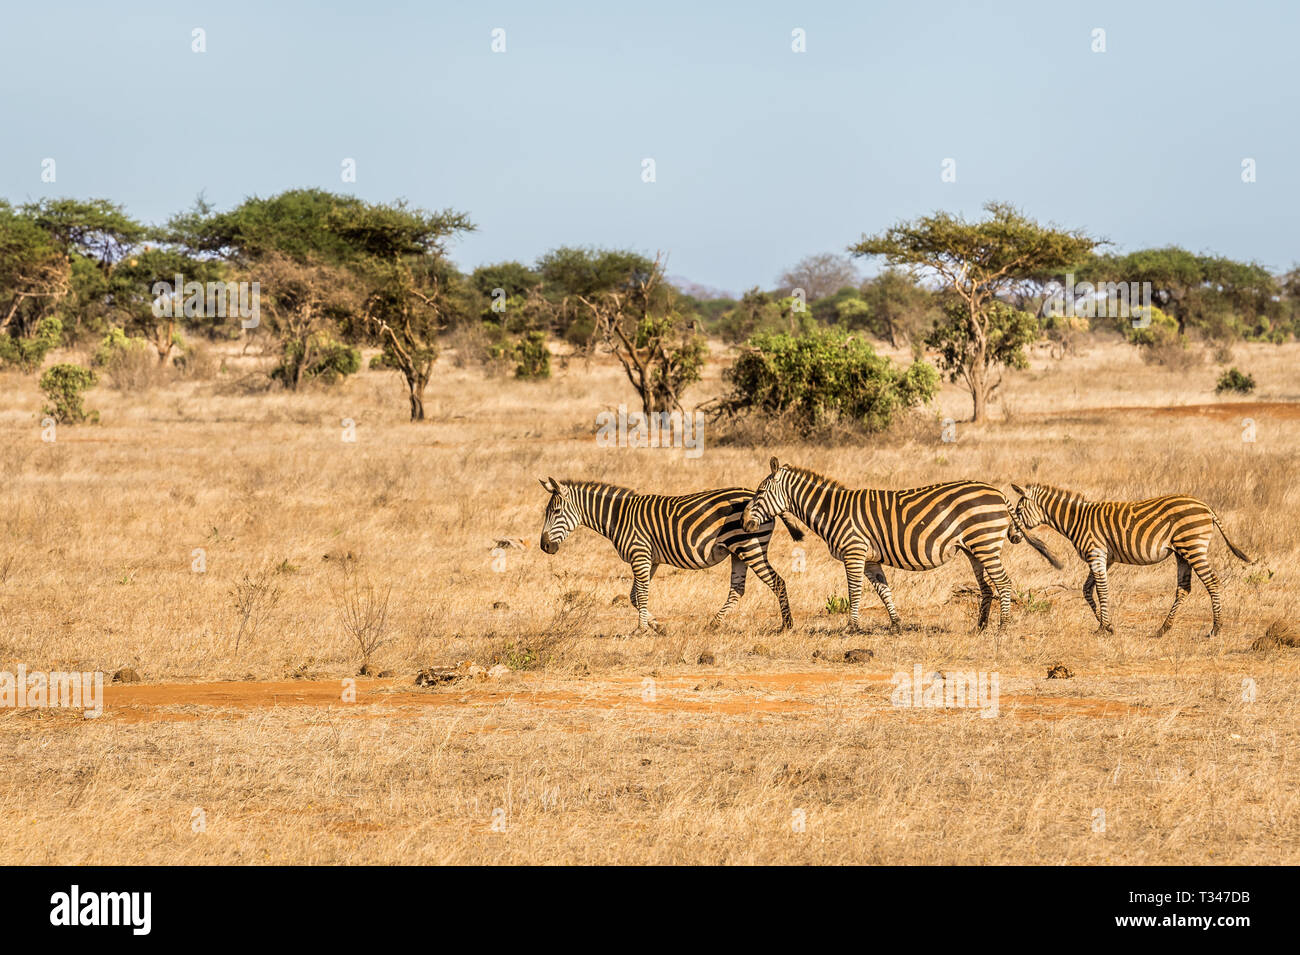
<point x="548" y="484"/>
<point x="776" y="465"/>
<point x="1019" y="490"/>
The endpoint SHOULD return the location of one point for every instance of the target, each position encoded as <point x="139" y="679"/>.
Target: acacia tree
<point x="35" y="274"/>
<point x="977" y="262"/>
<point x="394" y="254"/>
<point x="402" y="261"/>
<point x="634" y="314"/>
<point x="1217" y="294"/>
<point x="305" y="304"/>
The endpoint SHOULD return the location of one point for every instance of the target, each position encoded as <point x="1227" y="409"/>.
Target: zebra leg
<point x="738" y="574"/>
<point x="1089" y="586"/>
<point x="1183" y="589"/>
<point x="998" y="575"/>
<point x="876" y="574"/>
<point x="1098" y="564"/>
<point x="765" y="572"/>
<point x="853" y="571"/>
<point x="986" y="590"/>
<point x="643" y="571"/>
<point x="1211" y="582"/>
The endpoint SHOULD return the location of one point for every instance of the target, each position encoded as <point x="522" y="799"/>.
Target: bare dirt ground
<point x="599" y="747"/>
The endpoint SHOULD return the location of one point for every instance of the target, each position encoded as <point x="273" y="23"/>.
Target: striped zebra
<point x="692" y="531"/>
<point x="1130" y="532"/>
<point x="915" y="529"/>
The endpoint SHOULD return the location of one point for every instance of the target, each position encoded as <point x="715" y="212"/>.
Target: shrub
<point x="823" y="377"/>
<point x="1234" y="380"/>
<point x="326" y="360"/>
<point x="63" y="385"/>
<point x="129" y="364"/>
<point x="1160" y="343"/>
<point x="534" y="357"/>
<point x="28" y="353"/>
<point x="1064" y="333"/>
<point x="1162" y="329"/>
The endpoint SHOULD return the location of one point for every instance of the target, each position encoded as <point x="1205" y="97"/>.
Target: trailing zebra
<point x="1130" y="532"/>
<point x="914" y="529"/>
<point x="692" y="531"/>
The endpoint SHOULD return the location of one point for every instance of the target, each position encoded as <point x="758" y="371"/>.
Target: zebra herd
<point x="868" y="530"/>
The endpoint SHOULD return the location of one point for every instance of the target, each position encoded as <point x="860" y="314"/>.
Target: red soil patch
<point x="708" y="694"/>
<point x="1227" y="410"/>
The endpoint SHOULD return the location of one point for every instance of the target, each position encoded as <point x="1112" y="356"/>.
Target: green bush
<point x="1162" y="330"/>
<point x="534" y="357"/>
<point x="1234" y="380"/>
<point x="529" y="353"/>
<point x="825" y="376"/>
<point x="329" y="361"/>
<point x="114" y="345"/>
<point x="1159" y="343"/>
<point x="63" y="385"/>
<point x="28" y="353"/>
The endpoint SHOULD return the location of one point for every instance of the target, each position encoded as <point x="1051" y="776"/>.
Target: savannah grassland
<point x="599" y="747"/>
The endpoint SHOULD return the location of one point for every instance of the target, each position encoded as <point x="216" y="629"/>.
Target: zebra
<point x="693" y="531"/>
<point x="1130" y="532"/>
<point x="914" y="529"/>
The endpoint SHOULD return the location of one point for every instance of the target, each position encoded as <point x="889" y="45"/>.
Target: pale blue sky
<point x="763" y="155"/>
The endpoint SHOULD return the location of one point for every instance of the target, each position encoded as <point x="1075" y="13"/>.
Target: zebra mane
<point x="1068" y="497"/>
<point x="616" y="489"/>
<point x="809" y="473"/>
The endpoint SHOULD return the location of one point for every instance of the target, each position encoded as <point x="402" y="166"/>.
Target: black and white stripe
<point x="914" y="529"/>
<point x="1130" y="532"/>
<point x="693" y="531"/>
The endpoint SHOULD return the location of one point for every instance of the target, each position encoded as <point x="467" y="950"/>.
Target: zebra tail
<point x="798" y="534"/>
<point x="1016" y="533"/>
<point x="1231" y="546"/>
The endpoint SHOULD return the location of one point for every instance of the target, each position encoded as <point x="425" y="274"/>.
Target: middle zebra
<point x="913" y="529"/>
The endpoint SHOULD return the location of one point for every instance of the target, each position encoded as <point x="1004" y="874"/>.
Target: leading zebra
<point x="1130" y="532"/>
<point x="692" y="531"/>
<point x="914" y="529"/>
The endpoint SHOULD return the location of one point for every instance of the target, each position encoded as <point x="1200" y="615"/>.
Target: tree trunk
<point x="979" y="388"/>
<point x="416" y="385"/>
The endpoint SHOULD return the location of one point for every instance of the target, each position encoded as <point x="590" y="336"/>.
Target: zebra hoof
<point x="1159" y="633"/>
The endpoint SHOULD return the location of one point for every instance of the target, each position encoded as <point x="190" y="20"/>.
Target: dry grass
<point x="596" y="747"/>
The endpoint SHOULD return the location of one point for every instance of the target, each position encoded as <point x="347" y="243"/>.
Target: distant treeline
<point x="335" y="273"/>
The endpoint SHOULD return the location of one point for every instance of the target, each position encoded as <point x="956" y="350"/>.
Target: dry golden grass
<point x="615" y="749"/>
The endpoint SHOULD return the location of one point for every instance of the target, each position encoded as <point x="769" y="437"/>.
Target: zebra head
<point x="561" y="515"/>
<point x="770" y="500"/>
<point x="1029" y="512"/>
